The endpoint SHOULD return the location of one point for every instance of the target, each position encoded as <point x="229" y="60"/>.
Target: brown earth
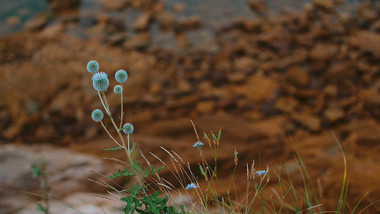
<point x="297" y="77"/>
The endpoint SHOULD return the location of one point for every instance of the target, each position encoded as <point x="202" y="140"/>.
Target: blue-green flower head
<point x="92" y="66"/>
<point x="100" y="81"/>
<point x="121" y="76"/>
<point x="118" y="89"/>
<point x="128" y="128"/>
<point x="97" y="115"/>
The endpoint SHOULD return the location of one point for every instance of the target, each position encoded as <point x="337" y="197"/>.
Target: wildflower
<point x="121" y="76"/>
<point x="97" y="115"/>
<point x="100" y="81"/>
<point x="260" y="172"/>
<point x="92" y="66"/>
<point x="191" y="186"/>
<point x="128" y="128"/>
<point x="198" y="144"/>
<point x="118" y="89"/>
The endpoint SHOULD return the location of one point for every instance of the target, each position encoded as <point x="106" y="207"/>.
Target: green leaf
<point x="36" y="171"/>
<point x="114" y="148"/>
<point x="120" y="173"/>
<point x="133" y="146"/>
<point x="202" y="170"/>
<point x="219" y="134"/>
<point x="41" y="208"/>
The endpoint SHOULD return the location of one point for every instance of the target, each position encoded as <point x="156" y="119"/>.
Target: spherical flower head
<point x="118" y="89"/>
<point x="92" y="66"/>
<point x="100" y="81"/>
<point x="128" y="128"/>
<point x="97" y="115"/>
<point x="121" y="76"/>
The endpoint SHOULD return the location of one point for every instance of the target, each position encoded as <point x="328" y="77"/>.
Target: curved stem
<point x="109" y="134"/>
<point x="104" y="106"/>
<point x="121" y="106"/>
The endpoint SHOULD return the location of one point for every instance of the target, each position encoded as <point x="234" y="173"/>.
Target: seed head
<point x="100" y="81"/>
<point x="128" y="128"/>
<point x="92" y="66"/>
<point x="121" y="76"/>
<point x="97" y="115"/>
<point x="118" y="89"/>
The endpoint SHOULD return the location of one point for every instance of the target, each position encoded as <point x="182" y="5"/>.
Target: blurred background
<point x="268" y="72"/>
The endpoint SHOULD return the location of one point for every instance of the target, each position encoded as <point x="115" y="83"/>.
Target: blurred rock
<point x="12" y="20"/>
<point x="166" y="20"/>
<point x="366" y="41"/>
<point x="116" y="39"/>
<point x="244" y="64"/>
<point x="258" y="6"/>
<point x="59" y="6"/>
<point x="142" y="22"/>
<point x="67" y="171"/>
<point x="179" y="7"/>
<point x="184" y="86"/>
<point x="139" y="41"/>
<point x="310" y="121"/>
<point x="114" y="5"/>
<point x="333" y="114"/>
<point x="52" y="31"/>
<point x="286" y="104"/>
<point x="367" y="13"/>
<point x="36" y="24"/>
<point x="325" y="5"/>
<point x="190" y="23"/>
<point x="82" y="202"/>
<point x="205" y="106"/>
<point x="323" y="52"/>
<point x="257" y="88"/>
<point x="298" y="76"/>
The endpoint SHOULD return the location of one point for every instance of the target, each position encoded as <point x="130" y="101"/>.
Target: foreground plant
<point x="138" y="198"/>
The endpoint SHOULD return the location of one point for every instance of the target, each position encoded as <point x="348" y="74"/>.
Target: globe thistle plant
<point x="97" y="115"/>
<point x="100" y="81"/>
<point x="118" y="89"/>
<point x="128" y="128"/>
<point x="121" y="76"/>
<point x="92" y="66"/>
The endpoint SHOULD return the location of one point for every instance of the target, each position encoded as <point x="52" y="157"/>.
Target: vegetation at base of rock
<point x="138" y="201"/>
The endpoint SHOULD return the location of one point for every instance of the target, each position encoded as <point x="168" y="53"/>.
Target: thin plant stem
<point x="104" y="106"/>
<point x="109" y="134"/>
<point x="121" y="106"/>
<point x="127" y="150"/>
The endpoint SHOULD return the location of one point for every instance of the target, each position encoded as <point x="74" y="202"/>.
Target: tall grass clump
<point x="152" y="193"/>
